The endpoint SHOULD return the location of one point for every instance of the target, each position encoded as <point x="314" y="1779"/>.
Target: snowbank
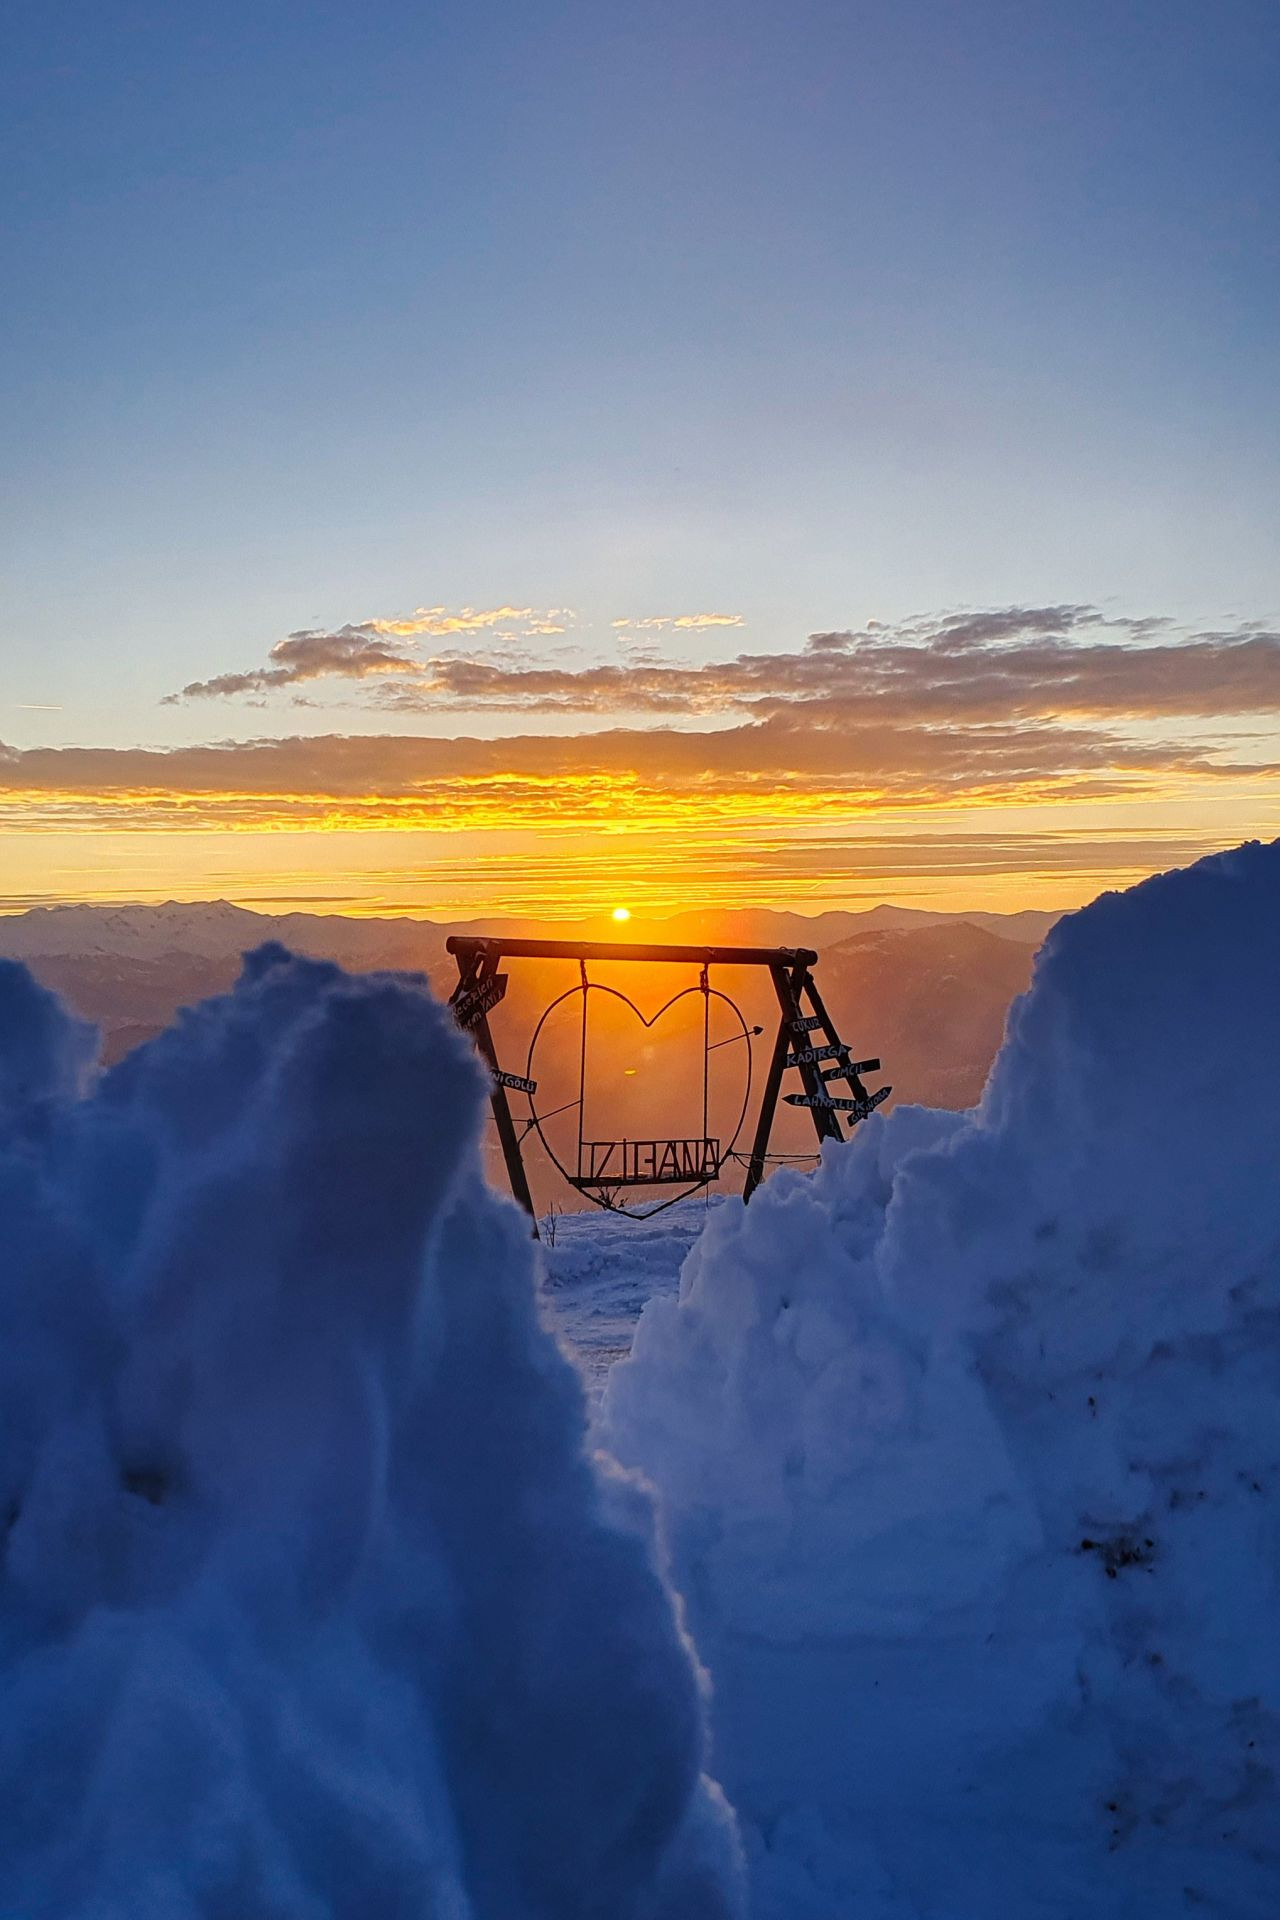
<point x="312" y="1603"/>
<point x="969" y="1447"/>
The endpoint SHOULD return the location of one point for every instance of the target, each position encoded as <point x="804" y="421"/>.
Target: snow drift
<point x="314" y="1606"/>
<point x="969" y="1447"/>
<point x="312" y="1603"/>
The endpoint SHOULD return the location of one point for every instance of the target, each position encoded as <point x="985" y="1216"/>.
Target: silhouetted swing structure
<point x="605" y="1171"/>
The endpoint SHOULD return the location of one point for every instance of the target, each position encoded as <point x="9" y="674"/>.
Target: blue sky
<point x="820" y="312"/>
<point x="813" y="314"/>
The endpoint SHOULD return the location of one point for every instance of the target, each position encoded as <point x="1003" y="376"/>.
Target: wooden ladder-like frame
<point x="482" y="984"/>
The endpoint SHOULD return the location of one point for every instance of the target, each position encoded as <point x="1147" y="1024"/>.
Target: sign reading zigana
<point x="641" y="1163"/>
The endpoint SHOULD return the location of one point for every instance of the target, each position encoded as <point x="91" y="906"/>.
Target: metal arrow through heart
<point x="603" y="1193"/>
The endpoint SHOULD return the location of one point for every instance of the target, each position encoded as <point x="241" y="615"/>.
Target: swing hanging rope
<point x="582" y="1060"/>
<point x="602" y="1194"/>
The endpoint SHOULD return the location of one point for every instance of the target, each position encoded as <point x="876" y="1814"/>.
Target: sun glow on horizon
<point x="622" y="913"/>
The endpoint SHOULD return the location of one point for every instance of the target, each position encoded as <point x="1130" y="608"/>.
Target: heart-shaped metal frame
<point x="593" y="986"/>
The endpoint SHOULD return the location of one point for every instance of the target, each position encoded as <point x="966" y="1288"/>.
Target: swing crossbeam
<point x="606" y="1166"/>
<point x="466" y="946"/>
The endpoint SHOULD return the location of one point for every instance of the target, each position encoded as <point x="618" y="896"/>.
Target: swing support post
<point x="481" y="986"/>
<point x="475" y="974"/>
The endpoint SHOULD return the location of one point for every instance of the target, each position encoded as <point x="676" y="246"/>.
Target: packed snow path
<point x="599" y="1271"/>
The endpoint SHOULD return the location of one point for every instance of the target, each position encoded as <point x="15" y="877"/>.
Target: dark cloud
<point x="785" y="765"/>
<point x="1025" y="703"/>
<point x="366" y="648"/>
<point x="352" y="653"/>
<point x="959" y="630"/>
<point x="1007" y="665"/>
<point x="981" y="670"/>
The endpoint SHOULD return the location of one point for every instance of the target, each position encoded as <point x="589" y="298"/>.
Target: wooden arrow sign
<point x="472" y="1006"/>
<point x="516" y="1081"/>
<point x="805" y="1056"/>
<point x="859" y="1107"/>
<point x="854" y="1066"/>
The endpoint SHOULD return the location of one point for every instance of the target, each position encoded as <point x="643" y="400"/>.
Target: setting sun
<point x="622" y="913"/>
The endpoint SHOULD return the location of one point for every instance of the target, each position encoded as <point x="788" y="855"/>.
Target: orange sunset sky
<point x="1010" y="758"/>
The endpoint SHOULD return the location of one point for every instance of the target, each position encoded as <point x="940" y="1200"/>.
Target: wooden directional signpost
<point x="859" y="1107"/>
<point x="471" y="1007"/>
<point x="516" y="1083"/>
<point x="605" y="1169"/>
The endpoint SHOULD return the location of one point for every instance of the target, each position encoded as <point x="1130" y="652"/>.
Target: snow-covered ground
<point x="330" y="1589"/>
<point x="903" y="1715"/>
<point x="599" y="1270"/>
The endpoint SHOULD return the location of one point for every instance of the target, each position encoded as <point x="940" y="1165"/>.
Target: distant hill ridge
<point x="216" y="929"/>
<point x="926" y="991"/>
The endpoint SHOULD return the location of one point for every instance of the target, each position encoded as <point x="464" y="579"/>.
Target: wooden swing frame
<point x="482" y="984"/>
